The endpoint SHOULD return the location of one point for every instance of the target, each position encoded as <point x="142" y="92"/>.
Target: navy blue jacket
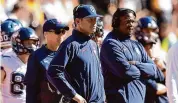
<point x="76" y="69"/>
<point x="39" y="90"/>
<point x="120" y="77"/>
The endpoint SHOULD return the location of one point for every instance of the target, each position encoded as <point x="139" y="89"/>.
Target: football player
<point x="13" y="65"/>
<point x="8" y="27"/>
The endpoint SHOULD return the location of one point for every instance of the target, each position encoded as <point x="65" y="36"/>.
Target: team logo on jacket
<point x="92" y="9"/>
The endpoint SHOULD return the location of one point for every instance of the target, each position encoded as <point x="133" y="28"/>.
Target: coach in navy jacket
<point x="39" y="89"/>
<point x="75" y="70"/>
<point x="125" y="63"/>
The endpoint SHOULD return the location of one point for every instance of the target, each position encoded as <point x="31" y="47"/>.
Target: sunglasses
<point x="63" y="31"/>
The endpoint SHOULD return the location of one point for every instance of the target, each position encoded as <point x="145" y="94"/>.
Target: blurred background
<point x="33" y="13"/>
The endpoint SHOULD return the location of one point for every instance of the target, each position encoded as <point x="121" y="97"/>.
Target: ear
<point x="45" y="33"/>
<point x="77" y="21"/>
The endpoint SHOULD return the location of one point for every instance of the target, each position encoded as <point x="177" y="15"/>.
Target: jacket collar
<point x="81" y="36"/>
<point x="120" y="35"/>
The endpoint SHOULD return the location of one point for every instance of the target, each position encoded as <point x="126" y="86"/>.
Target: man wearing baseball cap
<point x="39" y="89"/>
<point x="75" y="70"/>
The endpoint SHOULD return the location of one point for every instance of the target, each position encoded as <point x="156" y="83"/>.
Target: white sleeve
<point x="172" y="75"/>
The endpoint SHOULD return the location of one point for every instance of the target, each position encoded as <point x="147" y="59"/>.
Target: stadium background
<point x="33" y="13"/>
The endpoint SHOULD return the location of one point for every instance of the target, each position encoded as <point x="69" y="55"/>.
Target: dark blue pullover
<point x="39" y="90"/>
<point x="122" y="78"/>
<point x="76" y="69"/>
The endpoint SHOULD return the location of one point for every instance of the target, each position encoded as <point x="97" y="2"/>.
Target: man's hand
<point x="161" y="89"/>
<point x="132" y="62"/>
<point x="79" y="99"/>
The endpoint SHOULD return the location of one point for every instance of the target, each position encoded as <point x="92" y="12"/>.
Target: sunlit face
<point x="52" y="37"/>
<point x="127" y="24"/>
<point x="29" y="43"/>
<point x="87" y="25"/>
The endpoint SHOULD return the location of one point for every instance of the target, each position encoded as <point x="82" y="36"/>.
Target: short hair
<point x="119" y="13"/>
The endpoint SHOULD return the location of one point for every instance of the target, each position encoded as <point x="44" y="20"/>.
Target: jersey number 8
<point x="17" y="85"/>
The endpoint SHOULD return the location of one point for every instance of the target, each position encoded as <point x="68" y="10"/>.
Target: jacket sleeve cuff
<point x="152" y="84"/>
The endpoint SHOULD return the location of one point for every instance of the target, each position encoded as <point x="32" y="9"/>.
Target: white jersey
<point x="13" y="89"/>
<point x="172" y="74"/>
<point x="7" y="51"/>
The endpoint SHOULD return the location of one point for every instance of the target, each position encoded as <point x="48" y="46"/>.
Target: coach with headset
<point x="125" y="63"/>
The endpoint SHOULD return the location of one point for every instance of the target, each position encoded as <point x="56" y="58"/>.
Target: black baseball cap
<point x="53" y="24"/>
<point x="82" y="11"/>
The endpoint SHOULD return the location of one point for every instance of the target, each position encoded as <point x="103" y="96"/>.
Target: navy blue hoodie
<point x="122" y="78"/>
<point x="76" y="69"/>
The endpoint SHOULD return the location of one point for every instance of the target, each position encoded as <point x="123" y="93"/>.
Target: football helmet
<point x="8" y="27"/>
<point x="20" y="37"/>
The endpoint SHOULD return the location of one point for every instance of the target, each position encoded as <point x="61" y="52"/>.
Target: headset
<point x="120" y="12"/>
<point x="99" y="28"/>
